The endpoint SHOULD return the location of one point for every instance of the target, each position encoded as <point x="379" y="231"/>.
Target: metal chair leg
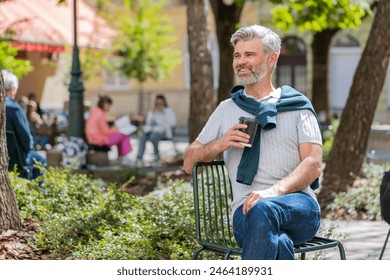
<point x="196" y="253"/>
<point x="384" y="245"/>
<point x="341" y="251"/>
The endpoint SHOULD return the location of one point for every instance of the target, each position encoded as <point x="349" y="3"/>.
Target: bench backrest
<point x="212" y="201"/>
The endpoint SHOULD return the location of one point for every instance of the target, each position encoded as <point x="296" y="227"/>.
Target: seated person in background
<point x="17" y="122"/>
<point x="158" y="125"/>
<point x="99" y="133"/>
<point x="23" y="100"/>
<point x="36" y="125"/>
<point x="33" y="97"/>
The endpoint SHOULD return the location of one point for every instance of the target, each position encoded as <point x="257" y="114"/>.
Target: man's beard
<point x="253" y="78"/>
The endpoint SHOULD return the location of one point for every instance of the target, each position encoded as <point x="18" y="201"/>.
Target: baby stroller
<point x="385" y="205"/>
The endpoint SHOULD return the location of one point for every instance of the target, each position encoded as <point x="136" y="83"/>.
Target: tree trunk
<point x="347" y="155"/>
<point x="9" y="213"/>
<point x="226" y="19"/>
<point x="320" y="48"/>
<point x="202" y="90"/>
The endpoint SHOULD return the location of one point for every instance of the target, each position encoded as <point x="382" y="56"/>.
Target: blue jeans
<point x="271" y="228"/>
<point x="155" y="138"/>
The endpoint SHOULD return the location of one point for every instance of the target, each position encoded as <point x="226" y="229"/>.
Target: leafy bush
<point x="328" y="138"/>
<point x="82" y="218"/>
<point x="362" y="199"/>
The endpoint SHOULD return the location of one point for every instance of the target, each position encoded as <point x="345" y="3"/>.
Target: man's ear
<point x="272" y="59"/>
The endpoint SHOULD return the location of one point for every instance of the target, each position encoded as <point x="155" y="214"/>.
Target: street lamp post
<point x="76" y="88"/>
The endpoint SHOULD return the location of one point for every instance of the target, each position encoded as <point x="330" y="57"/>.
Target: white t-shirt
<point x="161" y="122"/>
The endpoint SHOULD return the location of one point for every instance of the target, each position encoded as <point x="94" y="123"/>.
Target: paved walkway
<point x="362" y="240"/>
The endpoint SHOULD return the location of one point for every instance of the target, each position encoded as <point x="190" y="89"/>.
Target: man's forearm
<point x="198" y="152"/>
<point x="301" y="177"/>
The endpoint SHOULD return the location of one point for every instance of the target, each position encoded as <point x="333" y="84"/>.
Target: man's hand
<point x="197" y="152"/>
<point x="255" y="196"/>
<point x="233" y="138"/>
<point x="302" y="176"/>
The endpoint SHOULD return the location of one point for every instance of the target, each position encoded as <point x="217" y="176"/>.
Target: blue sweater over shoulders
<point x="266" y="116"/>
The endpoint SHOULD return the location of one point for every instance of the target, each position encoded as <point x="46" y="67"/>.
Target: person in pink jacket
<point x="99" y="133"/>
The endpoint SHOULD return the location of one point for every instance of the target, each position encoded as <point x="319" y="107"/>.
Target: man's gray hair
<point x="270" y="40"/>
<point x="10" y="80"/>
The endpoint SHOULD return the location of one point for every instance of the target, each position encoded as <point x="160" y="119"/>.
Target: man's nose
<point x="241" y="61"/>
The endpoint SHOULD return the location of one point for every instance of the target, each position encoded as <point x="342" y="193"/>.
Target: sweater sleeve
<point x="22" y="130"/>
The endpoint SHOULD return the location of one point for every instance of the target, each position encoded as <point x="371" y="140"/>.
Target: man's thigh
<point x="296" y="214"/>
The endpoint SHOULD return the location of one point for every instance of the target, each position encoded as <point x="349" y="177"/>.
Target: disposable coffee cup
<point x="251" y="129"/>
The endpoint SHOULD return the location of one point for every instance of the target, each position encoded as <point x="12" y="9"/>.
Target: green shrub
<point x="328" y="138"/>
<point x="163" y="228"/>
<point x="82" y="218"/>
<point x="362" y="199"/>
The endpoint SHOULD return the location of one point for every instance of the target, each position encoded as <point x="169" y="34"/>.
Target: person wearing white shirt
<point x="158" y="125"/>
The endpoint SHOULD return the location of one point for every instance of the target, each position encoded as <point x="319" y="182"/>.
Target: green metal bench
<point x="212" y="200"/>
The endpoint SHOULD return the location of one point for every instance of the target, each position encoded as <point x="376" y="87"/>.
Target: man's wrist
<point x="215" y="148"/>
<point x="279" y="189"/>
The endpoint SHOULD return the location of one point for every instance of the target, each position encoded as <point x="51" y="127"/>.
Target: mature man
<point x="16" y="121"/>
<point x="274" y="206"/>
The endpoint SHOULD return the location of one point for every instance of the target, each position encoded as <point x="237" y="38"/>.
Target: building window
<point x="213" y="43"/>
<point x="113" y="79"/>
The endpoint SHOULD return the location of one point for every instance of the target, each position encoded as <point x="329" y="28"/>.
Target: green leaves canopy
<point x="317" y="15"/>
<point x="9" y="62"/>
<point x="144" y="41"/>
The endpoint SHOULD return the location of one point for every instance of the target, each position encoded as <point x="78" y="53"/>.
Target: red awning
<point x="33" y="47"/>
<point x="46" y="26"/>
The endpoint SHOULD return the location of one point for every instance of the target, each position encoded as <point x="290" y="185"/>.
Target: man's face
<point x="250" y="64"/>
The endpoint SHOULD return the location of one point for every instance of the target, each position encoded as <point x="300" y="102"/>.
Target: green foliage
<point x="239" y="2"/>
<point x="158" y="229"/>
<point x="83" y="218"/>
<point x="318" y="15"/>
<point x="362" y="199"/>
<point x="9" y="61"/>
<point x="328" y="138"/>
<point x="92" y="62"/>
<point x="144" y="40"/>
